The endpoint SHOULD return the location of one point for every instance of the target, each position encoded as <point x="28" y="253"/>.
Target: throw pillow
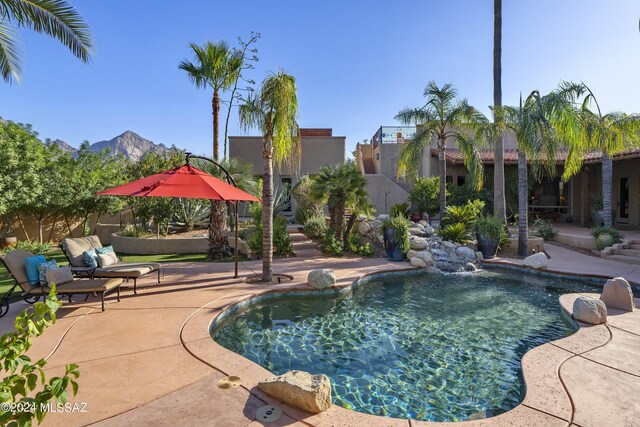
<point x="60" y="275"/>
<point x="43" y="268"/>
<point x="104" y="250"/>
<point x="105" y="260"/>
<point x="31" y="264"/>
<point x="90" y="258"/>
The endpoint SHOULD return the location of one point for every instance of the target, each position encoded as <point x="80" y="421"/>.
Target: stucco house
<point x="570" y="201"/>
<point x="319" y="148"/>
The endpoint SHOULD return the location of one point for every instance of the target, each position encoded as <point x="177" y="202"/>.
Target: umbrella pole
<point x="235" y="211"/>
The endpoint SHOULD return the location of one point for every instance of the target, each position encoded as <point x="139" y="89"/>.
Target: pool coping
<point x="547" y="401"/>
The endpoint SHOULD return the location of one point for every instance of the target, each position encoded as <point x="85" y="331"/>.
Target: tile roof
<point x="454" y="156"/>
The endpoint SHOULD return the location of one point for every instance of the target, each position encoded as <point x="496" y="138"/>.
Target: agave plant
<point x="191" y="212"/>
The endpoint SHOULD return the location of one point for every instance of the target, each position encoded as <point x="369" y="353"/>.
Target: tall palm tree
<point x="56" y="18"/>
<point x="441" y="119"/>
<point x="341" y="186"/>
<point x="215" y="67"/>
<point x="608" y="133"/>
<point x="499" y="203"/>
<point x="273" y="110"/>
<point x="532" y="124"/>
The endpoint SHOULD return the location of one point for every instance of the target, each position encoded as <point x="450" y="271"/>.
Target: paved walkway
<point x="149" y="359"/>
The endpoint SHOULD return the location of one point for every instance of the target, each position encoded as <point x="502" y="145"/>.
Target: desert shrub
<point x="456" y="232"/>
<point x="545" y="229"/>
<point x="400" y="209"/>
<point x="365" y="250"/>
<point x="316" y="226"/>
<point x="281" y="240"/>
<point x="465" y="214"/>
<point x="26" y="245"/>
<point x="460" y="195"/>
<point x="307" y="206"/>
<point x="331" y="244"/>
<point x="425" y="195"/>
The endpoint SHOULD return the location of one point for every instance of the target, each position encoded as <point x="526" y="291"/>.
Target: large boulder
<point x="589" y="310"/>
<point x="418" y="262"/>
<point x="479" y="256"/>
<point x="321" y="278"/>
<point x="424" y="256"/>
<point x="466" y="252"/>
<point x="364" y="228"/>
<point x="418" y="242"/>
<point x="538" y="260"/>
<point x="302" y="390"/>
<point x="617" y="294"/>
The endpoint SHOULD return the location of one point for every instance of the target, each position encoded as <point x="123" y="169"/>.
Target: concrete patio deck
<point x="149" y="360"/>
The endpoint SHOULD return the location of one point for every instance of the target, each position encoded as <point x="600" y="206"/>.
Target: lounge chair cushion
<point x="90" y="258"/>
<point x="43" y="268"/>
<point x="31" y="265"/>
<point x="16" y="265"/>
<point x="75" y="247"/>
<point x="59" y="276"/>
<point x="79" y="286"/>
<point x="127" y="269"/>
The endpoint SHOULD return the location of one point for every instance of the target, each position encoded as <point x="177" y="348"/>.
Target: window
<point x="460" y="180"/>
<point x="449" y="179"/>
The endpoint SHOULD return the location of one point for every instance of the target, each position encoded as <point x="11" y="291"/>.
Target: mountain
<point x="63" y="145"/>
<point x="129" y="144"/>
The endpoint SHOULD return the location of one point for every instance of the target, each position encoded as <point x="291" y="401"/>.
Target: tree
<point x="425" y="194"/>
<point x="247" y="55"/>
<point x="56" y="18"/>
<point x="273" y="110"/>
<point x="499" y="201"/>
<point x="536" y="140"/>
<point x="608" y="133"/>
<point x="215" y="67"/>
<point x="341" y="186"/>
<point x="441" y="119"/>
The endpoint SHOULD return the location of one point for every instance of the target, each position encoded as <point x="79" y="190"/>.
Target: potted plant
<point x="395" y="231"/>
<point x="597" y="214"/>
<point x="606" y="236"/>
<point x="490" y="232"/>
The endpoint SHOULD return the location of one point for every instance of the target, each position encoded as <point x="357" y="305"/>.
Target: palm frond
<point x="10" y="65"/>
<point x="410" y="156"/>
<point x="472" y="160"/>
<point x="56" y="18"/>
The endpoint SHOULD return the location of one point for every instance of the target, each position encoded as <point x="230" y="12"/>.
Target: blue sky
<point x="357" y="63"/>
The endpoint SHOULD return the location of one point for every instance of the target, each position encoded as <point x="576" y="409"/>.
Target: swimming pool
<point x="436" y="347"/>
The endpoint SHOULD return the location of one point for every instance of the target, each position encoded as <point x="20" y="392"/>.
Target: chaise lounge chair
<point x="73" y="249"/>
<point x="16" y="266"/>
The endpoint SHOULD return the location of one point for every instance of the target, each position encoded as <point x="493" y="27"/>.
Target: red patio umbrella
<point x="186" y="182"/>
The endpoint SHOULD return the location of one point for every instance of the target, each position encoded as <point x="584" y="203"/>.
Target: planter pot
<point x="391" y="247"/>
<point x="8" y="241"/>
<point x="604" y="241"/>
<point x="487" y="246"/>
<point x="597" y="216"/>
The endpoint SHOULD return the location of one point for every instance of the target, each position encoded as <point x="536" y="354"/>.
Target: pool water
<point x="436" y="347"/>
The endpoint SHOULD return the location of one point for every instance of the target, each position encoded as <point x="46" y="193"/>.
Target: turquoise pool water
<point x="430" y="347"/>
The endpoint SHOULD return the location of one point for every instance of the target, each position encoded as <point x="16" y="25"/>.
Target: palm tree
<point x="532" y="122"/>
<point x="273" y="110"/>
<point x="440" y="119"/>
<point x="341" y="186"/>
<point x="608" y="133"/>
<point x="499" y="203"/>
<point x="242" y="173"/>
<point x="216" y="67"/>
<point x="56" y="18"/>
